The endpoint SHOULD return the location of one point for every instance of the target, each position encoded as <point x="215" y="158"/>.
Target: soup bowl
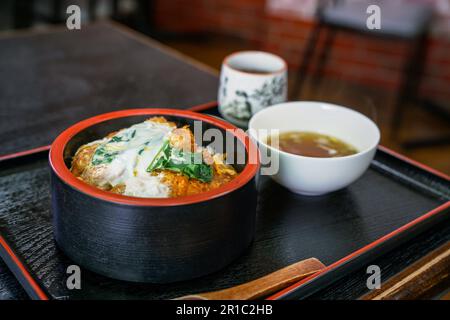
<point x="157" y="240"/>
<point x="311" y="175"/>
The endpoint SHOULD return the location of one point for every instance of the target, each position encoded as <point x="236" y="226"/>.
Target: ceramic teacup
<point x="249" y="82"/>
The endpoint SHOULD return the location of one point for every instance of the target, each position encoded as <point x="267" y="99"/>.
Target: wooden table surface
<point x="71" y="75"/>
<point x="53" y="79"/>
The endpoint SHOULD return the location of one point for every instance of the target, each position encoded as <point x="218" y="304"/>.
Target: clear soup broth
<point x="311" y="144"/>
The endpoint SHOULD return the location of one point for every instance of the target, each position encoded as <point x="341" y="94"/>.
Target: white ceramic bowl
<point x="316" y="176"/>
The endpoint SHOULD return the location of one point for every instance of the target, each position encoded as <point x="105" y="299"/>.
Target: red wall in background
<point x="355" y="58"/>
<point x="242" y="18"/>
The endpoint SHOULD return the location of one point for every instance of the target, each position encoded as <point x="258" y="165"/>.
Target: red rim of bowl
<point x="56" y="158"/>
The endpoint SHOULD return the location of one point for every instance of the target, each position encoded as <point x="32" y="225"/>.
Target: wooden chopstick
<point x="263" y="286"/>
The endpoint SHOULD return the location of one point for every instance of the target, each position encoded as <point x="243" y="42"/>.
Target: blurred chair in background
<point x="407" y="22"/>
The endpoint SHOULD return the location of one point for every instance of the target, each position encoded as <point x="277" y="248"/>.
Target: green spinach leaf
<point x="188" y="163"/>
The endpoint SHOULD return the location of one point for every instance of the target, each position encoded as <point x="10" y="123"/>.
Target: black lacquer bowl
<point x="157" y="240"/>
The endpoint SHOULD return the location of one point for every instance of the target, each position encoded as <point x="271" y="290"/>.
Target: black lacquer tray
<point x="395" y="200"/>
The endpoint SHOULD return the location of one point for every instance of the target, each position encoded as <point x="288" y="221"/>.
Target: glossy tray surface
<point x="290" y="227"/>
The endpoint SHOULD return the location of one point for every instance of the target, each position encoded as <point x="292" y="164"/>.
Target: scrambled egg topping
<point x="143" y="161"/>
